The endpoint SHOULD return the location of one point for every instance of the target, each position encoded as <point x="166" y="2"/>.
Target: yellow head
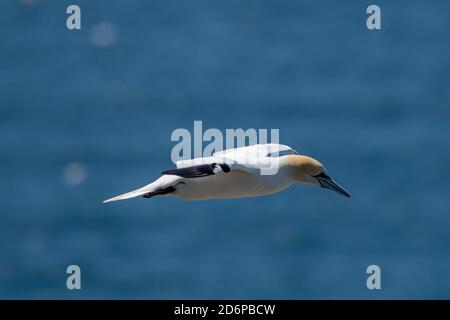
<point x="308" y="170"/>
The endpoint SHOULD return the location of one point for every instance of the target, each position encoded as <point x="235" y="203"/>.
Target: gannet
<point x="237" y="173"/>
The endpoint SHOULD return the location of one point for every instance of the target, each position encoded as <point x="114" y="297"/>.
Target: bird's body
<point x="236" y="184"/>
<point x="236" y="173"/>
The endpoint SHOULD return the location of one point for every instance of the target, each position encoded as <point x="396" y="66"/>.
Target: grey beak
<point x="328" y="183"/>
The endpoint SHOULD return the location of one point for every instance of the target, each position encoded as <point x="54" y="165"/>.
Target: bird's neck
<point x="294" y="166"/>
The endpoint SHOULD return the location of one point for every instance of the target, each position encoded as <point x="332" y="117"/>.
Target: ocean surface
<point x="88" y="114"/>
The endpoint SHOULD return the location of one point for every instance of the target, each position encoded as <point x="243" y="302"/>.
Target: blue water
<point x="82" y="120"/>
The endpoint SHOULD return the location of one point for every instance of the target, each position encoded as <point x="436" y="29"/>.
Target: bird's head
<point x="309" y="170"/>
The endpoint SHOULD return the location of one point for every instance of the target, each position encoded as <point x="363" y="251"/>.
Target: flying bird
<point x="251" y="171"/>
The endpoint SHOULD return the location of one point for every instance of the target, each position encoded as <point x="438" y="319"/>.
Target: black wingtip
<point x="202" y="170"/>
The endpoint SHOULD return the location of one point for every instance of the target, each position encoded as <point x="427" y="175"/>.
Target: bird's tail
<point x="164" y="182"/>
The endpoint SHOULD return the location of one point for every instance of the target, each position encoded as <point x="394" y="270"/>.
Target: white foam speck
<point x="74" y="174"/>
<point x="103" y="35"/>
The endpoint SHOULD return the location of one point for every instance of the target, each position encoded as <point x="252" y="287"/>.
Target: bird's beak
<point x="328" y="183"/>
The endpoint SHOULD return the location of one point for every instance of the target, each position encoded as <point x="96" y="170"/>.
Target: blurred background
<point x="87" y="114"/>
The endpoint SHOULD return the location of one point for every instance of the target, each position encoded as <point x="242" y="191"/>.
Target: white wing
<point x="162" y="183"/>
<point x="258" y="150"/>
<point x="252" y="158"/>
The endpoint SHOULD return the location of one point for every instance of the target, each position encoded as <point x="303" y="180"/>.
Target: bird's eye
<point x="321" y="175"/>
